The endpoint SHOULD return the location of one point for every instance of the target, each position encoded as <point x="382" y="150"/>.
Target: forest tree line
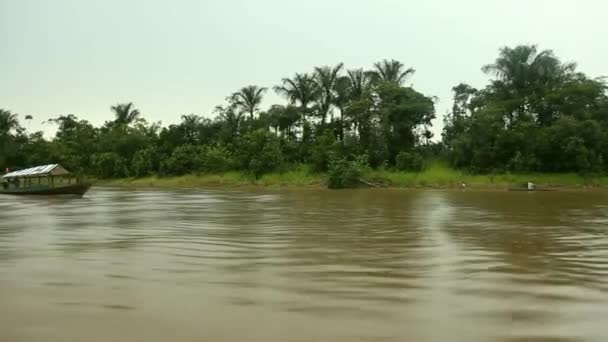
<point x="537" y="114"/>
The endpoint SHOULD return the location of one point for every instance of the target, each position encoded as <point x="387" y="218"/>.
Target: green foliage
<point x="377" y="148"/>
<point x="125" y="113"/>
<point x="323" y="150"/>
<point x="184" y="159"/>
<point x="390" y="72"/>
<point x="142" y="164"/>
<point x="402" y="110"/>
<point x="344" y="173"/>
<point x="10" y="132"/>
<point x="217" y="159"/>
<point x="537" y="114"/>
<point x="260" y="152"/>
<point x="108" y="165"/>
<point x="248" y="99"/>
<point x="409" y="161"/>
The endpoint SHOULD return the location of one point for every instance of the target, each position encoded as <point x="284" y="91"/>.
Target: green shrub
<point x="409" y="161"/>
<point x="324" y="146"/>
<point x="217" y="159"/>
<point x="344" y="173"/>
<point x="377" y="148"/>
<point x="184" y="159"/>
<point x="109" y="165"/>
<point x="260" y="152"/>
<point x="142" y="164"/>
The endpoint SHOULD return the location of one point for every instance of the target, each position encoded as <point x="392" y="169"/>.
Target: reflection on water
<point x="305" y="266"/>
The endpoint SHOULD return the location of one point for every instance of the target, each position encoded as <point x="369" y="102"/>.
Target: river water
<point x="305" y="265"/>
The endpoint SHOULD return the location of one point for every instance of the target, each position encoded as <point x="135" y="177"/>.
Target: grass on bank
<point x="436" y="175"/>
<point x="299" y="177"/>
<point x="439" y="175"/>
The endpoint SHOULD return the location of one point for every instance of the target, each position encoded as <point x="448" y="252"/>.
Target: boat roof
<point x="43" y="170"/>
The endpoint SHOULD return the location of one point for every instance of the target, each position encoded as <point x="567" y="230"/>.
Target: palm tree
<point x="326" y="78"/>
<point x="342" y="92"/>
<point x="125" y="113"/>
<point x="524" y="75"/>
<point x="391" y="72"/>
<point x="8" y="121"/>
<point x="523" y="66"/>
<point x="29" y="119"/>
<point x="301" y="89"/>
<point x="349" y="90"/>
<point x="360" y="83"/>
<point x="342" y="97"/>
<point x="249" y="98"/>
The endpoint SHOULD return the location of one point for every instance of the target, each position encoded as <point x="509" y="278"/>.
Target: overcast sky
<point x="185" y="56"/>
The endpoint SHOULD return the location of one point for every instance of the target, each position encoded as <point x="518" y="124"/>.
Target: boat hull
<point x="74" y="189"/>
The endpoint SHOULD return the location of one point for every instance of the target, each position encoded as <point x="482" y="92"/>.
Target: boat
<point x="52" y="179"/>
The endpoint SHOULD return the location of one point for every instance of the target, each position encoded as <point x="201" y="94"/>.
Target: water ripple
<point x="340" y="266"/>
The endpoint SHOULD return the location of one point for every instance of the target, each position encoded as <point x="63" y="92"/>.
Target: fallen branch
<point x="373" y="185"/>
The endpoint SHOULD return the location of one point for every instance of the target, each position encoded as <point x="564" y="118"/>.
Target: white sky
<point x="185" y="56"/>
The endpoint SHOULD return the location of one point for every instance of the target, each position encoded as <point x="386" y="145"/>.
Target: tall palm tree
<point x="523" y="66"/>
<point x="523" y="76"/>
<point x="360" y="82"/>
<point x="301" y="89"/>
<point x="350" y="89"/>
<point x="29" y="119"/>
<point x="391" y="71"/>
<point x="249" y="98"/>
<point x="8" y="121"/>
<point x="343" y="95"/>
<point x="125" y="113"/>
<point x="326" y="78"/>
<point x="342" y="92"/>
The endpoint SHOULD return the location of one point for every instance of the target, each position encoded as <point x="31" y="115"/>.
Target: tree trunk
<point x="342" y="124"/>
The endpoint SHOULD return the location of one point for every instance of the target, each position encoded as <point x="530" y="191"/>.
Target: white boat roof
<point x="43" y="170"/>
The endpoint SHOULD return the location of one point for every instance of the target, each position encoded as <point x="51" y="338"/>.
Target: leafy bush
<point x="291" y="151"/>
<point x="409" y="161"/>
<point x="143" y="163"/>
<point x="217" y="159"/>
<point x="344" y="173"/>
<point x="260" y="152"/>
<point x="184" y="159"/>
<point x="377" y="148"/>
<point x="321" y="153"/>
<point x="109" y="165"/>
<point x="522" y="163"/>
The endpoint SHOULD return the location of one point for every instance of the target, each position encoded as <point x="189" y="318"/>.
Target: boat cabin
<point x="41" y="177"/>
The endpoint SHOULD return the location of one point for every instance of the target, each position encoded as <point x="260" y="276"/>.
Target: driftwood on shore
<point x="370" y="184"/>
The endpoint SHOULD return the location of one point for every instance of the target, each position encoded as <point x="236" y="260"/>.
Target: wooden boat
<point x="50" y="179"/>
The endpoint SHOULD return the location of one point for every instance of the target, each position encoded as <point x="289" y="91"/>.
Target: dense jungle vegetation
<point x="537" y="114"/>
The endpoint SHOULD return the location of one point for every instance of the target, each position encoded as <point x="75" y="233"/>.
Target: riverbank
<point x="436" y="176"/>
<point x="295" y="178"/>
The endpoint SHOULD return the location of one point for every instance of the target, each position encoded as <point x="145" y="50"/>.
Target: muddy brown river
<point x="305" y="265"/>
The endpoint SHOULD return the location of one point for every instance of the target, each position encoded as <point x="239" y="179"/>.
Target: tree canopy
<point x="537" y="113"/>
